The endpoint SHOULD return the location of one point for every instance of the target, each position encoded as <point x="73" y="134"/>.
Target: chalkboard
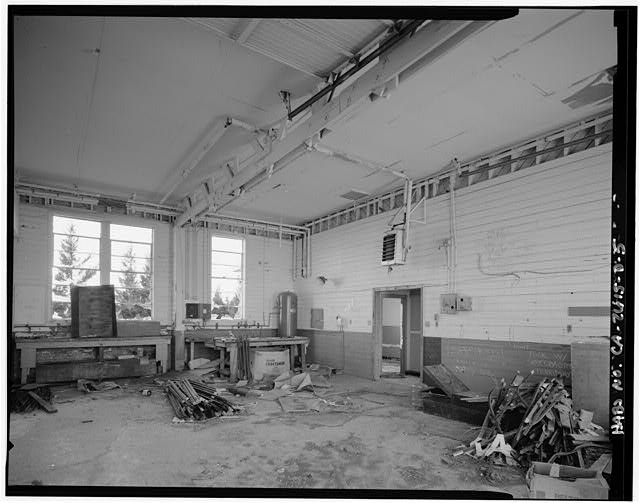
<point x="477" y="363"/>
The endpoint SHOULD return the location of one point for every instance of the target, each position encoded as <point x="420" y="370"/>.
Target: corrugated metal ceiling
<point x="314" y="46"/>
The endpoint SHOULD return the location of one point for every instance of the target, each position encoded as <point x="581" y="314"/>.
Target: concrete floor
<point x="121" y="438"/>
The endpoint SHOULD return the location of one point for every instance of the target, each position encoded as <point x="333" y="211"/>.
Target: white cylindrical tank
<point x="288" y="318"/>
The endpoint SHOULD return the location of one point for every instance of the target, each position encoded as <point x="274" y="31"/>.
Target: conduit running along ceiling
<point x="114" y="105"/>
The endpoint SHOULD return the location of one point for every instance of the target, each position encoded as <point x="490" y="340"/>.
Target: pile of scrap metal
<point x="30" y="397"/>
<point x="195" y="401"/>
<point x="527" y="422"/>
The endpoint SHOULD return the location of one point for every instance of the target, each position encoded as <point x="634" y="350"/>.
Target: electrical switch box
<point x="451" y="303"/>
<point x="463" y="303"/>
<point x="199" y="311"/>
<point x="448" y="303"/>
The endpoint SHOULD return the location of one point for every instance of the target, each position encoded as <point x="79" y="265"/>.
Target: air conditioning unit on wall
<point x="392" y="247"/>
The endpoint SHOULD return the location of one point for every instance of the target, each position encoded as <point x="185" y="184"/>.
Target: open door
<point x="397" y="332"/>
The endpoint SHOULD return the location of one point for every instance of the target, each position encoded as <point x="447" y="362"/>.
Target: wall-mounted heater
<point x="393" y="247"/>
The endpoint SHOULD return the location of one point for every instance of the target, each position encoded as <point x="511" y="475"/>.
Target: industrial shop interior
<point x="263" y="250"/>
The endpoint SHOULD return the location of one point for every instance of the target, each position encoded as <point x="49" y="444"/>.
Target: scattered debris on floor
<point x="195" y="401"/>
<point x="30" y="397"/>
<point x="528" y="423"/>
<point x="90" y="386"/>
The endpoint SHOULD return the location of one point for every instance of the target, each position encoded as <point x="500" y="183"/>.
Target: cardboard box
<point x="553" y="481"/>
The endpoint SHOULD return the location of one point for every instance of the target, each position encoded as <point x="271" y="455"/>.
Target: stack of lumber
<point x="244" y="358"/>
<point x="547" y="426"/>
<point x="194" y="400"/>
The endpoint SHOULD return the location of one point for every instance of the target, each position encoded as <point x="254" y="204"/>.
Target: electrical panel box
<point x="453" y="302"/>
<point x="199" y="311"/>
<point x="317" y="318"/>
<point x="448" y="303"/>
<point x="463" y="303"/>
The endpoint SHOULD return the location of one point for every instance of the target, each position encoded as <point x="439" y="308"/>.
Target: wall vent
<point x="355" y="195"/>
<point x="392" y="248"/>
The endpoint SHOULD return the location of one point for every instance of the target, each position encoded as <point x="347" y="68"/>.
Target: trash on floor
<point x="30" y="397"/>
<point x="299" y="382"/>
<point x="553" y="481"/>
<point x="195" y="401"/>
<point x="533" y="423"/>
<point x="294" y="404"/>
<point x="198" y="362"/>
<point x="90" y="386"/>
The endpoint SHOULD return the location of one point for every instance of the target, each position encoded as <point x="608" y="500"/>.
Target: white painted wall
<point x="549" y="225"/>
<point x="33" y="256"/>
<point x="267" y="272"/>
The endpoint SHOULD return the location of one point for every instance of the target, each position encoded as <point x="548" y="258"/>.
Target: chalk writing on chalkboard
<point x="502" y="359"/>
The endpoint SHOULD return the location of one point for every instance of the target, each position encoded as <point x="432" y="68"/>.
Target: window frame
<point x="243" y="241"/>
<point x="151" y="261"/>
<point x="104" y="256"/>
<point x="52" y="251"/>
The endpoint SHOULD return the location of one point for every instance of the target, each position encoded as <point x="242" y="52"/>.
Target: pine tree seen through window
<point x="131" y="270"/>
<point x="76" y="260"/>
<point x="227" y="278"/>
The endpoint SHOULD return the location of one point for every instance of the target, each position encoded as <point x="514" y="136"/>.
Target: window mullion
<point x="105" y="254"/>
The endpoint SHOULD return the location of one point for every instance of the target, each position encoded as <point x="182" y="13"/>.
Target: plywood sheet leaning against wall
<point x="93" y="311"/>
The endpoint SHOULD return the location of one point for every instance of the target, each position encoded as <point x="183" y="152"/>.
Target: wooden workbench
<point x="29" y="347"/>
<point x="231" y="344"/>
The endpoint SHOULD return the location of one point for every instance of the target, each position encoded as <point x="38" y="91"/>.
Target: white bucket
<point x="270" y="363"/>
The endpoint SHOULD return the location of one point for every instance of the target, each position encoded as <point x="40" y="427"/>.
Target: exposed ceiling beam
<point x="391" y="64"/>
<point x="191" y="160"/>
<point x="246" y="29"/>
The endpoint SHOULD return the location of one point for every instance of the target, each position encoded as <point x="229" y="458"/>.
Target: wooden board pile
<point x="194" y="400"/>
<point x="31" y="397"/>
<point x="540" y="423"/>
<point x="244" y="358"/>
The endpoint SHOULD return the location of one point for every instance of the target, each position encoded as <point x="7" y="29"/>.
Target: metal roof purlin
<point x="399" y="58"/>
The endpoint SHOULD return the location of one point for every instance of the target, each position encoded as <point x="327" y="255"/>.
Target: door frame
<point x="401" y="292"/>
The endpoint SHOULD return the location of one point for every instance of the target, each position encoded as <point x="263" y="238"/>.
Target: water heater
<point x="288" y="317"/>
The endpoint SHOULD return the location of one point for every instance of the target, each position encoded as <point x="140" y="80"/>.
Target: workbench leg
<point x="233" y="363"/>
<point x="303" y="357"/>
<point x="292" y="358"/>
<point x="27" y="362"/>
<point x="223" y="355"/>
<point x="192" y="350"/>
<point x="162" y="354"/>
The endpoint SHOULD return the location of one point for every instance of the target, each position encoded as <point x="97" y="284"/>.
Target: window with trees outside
<point x="76" y="260"/>
<point x="227" y="278"/>
<point x="131" y="270"/>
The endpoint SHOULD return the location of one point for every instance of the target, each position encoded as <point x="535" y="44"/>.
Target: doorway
<point x="397" y="332"/>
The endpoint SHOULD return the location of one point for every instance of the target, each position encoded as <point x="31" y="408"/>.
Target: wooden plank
<point x="137" y="328"/>
<point x="66" y="372"/>
<point x="91" y="342"/>
<point x="441" y="377"/>
<point x="50" y="408"/>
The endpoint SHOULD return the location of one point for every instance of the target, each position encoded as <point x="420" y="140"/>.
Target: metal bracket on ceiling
<point x="285" y="96"/>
